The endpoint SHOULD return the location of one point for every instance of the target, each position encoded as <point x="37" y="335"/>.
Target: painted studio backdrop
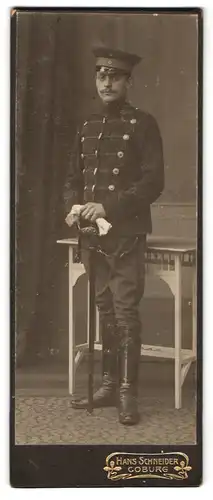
<point x="55" y="89"/>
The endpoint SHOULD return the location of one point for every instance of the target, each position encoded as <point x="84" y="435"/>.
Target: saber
<point x="88" y="234"/>
<point x="92" y="326"/>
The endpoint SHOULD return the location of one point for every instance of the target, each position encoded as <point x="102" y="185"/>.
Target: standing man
<point x="116" y="172"/>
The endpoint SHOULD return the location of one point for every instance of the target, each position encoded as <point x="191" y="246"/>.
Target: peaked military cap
<point x="115" y="59"/>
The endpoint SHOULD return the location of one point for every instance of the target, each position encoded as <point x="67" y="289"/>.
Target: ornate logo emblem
<point x="167" y="466"/>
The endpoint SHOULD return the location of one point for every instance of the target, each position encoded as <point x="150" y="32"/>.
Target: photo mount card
<point x="106" y="236"/>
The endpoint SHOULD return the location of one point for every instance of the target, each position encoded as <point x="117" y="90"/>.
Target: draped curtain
<point x="46" y="114"/>
<point x="53" y="90"/>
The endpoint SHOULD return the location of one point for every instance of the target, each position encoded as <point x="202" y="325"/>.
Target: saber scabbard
<point x="92" y="326"/>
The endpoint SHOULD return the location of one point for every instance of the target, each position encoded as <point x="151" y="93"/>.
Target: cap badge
<point x="110" y="62"/>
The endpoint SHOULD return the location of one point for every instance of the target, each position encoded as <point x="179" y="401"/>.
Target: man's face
<point x="111" y="85"/>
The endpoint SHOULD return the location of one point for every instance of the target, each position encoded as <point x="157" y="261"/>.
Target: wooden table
<point x="174" y="261"/>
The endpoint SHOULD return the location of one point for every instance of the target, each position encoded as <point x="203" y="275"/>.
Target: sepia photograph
<point x="106" y="181"/>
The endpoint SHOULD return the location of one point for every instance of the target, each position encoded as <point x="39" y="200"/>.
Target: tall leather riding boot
<point x="128" y="365"/>
<point x="106" y="394"/>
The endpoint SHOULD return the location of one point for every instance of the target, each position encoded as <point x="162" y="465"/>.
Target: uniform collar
<point x="112" y="109"/>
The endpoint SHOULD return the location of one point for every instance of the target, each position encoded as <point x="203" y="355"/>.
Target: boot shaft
<point x="109" y="350"/>
<point x="129" y="355"/>
<point x="128" y="363"/>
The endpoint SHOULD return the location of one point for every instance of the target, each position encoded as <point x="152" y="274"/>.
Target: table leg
<point x="194" y="311"/>
<point x="178" y="330"/>
<point x="88" y="302"/>
<point x="97" y="331"/>
<point x="71" y="328"/>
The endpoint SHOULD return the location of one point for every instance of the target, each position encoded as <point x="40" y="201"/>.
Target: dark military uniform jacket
<point x="118" y="161"/>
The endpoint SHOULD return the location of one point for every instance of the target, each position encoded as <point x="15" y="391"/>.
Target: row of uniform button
<point x="111" y="187"/>
<point x="103" y="121"/>
<point x="133" y="120"/>
<point x="115" y="171"/>
<point x="120" y="154"/>
<point x="125" y="137"/>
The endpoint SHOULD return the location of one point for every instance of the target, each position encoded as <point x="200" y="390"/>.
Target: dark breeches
<point x="120" y="283"/>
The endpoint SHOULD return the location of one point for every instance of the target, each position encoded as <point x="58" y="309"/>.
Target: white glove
<point x="74" y="214"/>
